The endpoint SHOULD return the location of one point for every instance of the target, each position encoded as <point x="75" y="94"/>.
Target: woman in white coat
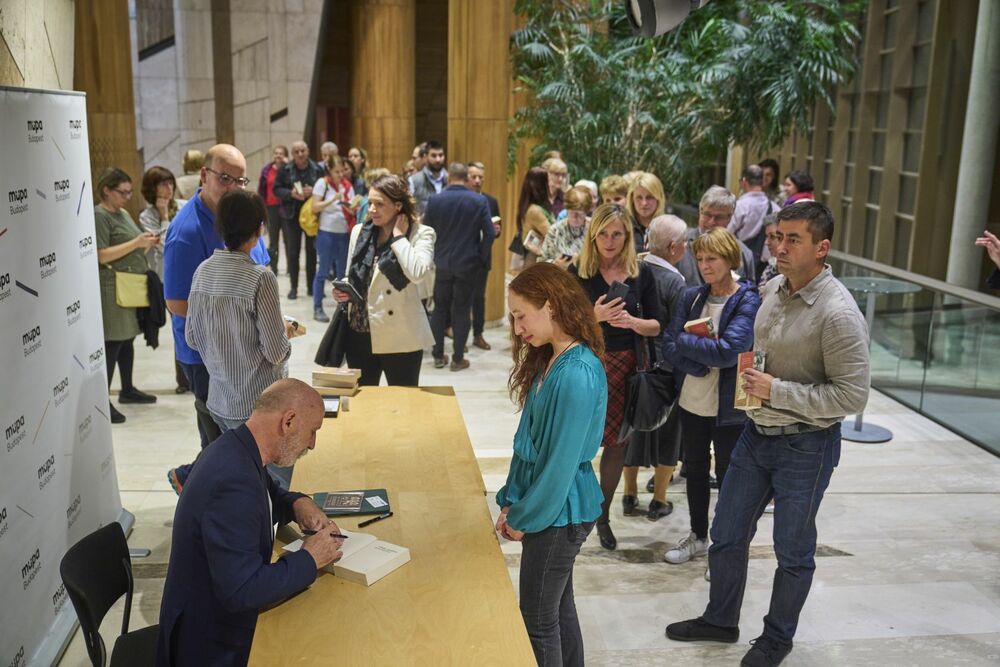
<point x="390" y="255"/>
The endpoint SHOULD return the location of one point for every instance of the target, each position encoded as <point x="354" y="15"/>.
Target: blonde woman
<point x="608" y="258"/>
<point x="646" y="200"/>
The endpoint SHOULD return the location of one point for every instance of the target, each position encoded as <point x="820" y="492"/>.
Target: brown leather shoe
<point x="481" y="343"/>
<point x="459" y="365"/>
<point x="441" y="362"/>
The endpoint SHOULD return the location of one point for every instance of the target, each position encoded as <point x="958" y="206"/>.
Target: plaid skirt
<point x="618" y="366"/>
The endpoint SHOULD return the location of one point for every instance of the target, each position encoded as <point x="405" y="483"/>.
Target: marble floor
<point x="909" y="534"/>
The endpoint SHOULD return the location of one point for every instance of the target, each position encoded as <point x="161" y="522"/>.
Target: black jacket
<point x="285" y="181"/>
<point x="461" y="219"/>
<point x="155" y="316"/>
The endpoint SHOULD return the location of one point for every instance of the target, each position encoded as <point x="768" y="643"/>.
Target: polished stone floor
<point x="909" y="532"/>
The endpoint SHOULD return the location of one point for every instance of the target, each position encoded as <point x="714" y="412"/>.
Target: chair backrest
<point x="97" y="571"/>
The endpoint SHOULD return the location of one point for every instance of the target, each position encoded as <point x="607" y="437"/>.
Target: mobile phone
<point x="345" y="286"/>
<point x="617" y="290"/>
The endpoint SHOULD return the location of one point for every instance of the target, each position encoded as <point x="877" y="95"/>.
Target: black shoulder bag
<point x="650" y="392"/>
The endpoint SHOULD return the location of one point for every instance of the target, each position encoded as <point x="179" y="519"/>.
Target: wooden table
<point x="453" y="603"/>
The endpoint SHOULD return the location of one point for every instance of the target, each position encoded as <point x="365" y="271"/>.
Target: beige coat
<point x="398" y="321"/>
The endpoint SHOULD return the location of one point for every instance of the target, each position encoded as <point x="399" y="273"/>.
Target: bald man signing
<point x="191" y="239"/>
<point x="220" y="574"/>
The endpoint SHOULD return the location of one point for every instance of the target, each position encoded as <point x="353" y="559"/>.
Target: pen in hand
<point x="306" y="531"/>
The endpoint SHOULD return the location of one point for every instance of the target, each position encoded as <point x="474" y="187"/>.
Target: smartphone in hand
<point x="345" y="286"/>
<point x="617" y="290"/>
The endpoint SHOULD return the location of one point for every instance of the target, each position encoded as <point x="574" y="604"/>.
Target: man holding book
<point x="220" y="574"/>
<point x="815" y="343"/>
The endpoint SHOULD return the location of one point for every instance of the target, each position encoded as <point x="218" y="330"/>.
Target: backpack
<point x="308" y="220"/>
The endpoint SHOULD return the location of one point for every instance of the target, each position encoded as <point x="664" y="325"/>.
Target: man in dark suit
<point x="220" y="574"/>
<point x="465" y="236"/>
<point x="477" y="171"/>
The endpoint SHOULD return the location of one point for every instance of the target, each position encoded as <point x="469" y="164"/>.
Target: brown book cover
<point x="743" y="400"/>
<point x="704" y="327"/>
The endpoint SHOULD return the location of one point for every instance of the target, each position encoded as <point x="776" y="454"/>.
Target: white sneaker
<point x="708" y="574"/>
<point x="686" y="549"/>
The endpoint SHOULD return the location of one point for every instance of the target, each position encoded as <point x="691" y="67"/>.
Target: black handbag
<point x="649" y="396"/>
<point x="333" y="347"/>
<point x="649" y="393"/>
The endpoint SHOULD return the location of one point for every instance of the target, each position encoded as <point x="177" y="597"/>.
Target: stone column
<point x="479" y="99"/>
<point x="979" y="148"/>
<point x="382" y="80"/>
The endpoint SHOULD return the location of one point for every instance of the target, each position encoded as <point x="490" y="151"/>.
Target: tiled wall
<point x="273" y="50"/>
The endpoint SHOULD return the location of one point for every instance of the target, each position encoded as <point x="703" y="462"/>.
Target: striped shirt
<point x="234" y="321"/>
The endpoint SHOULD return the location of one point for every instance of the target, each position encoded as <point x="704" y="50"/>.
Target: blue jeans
<point x="331" y="249"/>
<point x="546" y="592"/>
<point x="795" y="470"/>
<point x="280" y="474"/>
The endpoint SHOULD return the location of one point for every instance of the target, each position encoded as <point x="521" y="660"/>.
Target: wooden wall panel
<point x="382" y="80"/>
<point x="479" y="107"/>
<point x="432" y="81"/>
<point x="103" y="69"/>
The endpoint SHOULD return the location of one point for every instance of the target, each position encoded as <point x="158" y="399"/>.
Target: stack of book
<point x="336" y="381"/>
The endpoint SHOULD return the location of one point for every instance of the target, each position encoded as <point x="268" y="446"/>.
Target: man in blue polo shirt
<point x="191" y="239"/>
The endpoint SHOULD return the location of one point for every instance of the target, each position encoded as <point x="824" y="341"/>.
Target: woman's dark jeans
<point x="547" y="603"/>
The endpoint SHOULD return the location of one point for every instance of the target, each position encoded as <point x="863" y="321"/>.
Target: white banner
<point x="57" y="467"/>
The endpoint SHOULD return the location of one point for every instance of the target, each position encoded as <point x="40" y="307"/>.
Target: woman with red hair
<point x="552" y="498"/>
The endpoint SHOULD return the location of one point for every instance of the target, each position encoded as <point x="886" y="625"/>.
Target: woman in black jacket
<point x="706" y="374"/>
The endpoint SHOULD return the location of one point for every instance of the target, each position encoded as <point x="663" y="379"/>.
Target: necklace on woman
<point x="552" y="362"/>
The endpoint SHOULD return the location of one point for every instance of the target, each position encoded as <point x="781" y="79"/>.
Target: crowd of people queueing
<point x="753" y="265"/>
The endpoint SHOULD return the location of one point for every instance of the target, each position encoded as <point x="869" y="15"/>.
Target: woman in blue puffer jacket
<point x="705" y="371"/>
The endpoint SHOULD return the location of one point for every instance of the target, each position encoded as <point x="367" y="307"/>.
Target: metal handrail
<point x="932" y="284"/>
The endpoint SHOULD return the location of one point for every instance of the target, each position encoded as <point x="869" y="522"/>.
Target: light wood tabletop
<point x="453" y="603"/>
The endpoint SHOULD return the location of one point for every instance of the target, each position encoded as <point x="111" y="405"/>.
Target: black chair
<point x="97" y="571"/>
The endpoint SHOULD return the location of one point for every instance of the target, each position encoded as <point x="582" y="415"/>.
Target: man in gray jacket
<point x="715" y="210"/>
<point x="430" y="180"/>
<point x="816" y="372"/>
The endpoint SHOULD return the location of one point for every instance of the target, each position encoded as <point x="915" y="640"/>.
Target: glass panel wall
<point x="936" y="353"/>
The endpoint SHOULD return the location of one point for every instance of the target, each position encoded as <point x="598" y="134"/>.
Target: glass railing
<point x="935" y="347"/>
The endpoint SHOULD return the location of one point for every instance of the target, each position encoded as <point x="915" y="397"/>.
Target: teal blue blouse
<point x="551" y="480"/>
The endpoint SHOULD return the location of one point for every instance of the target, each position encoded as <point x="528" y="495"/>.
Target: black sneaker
<point x="697" y="630"/>
<point x="293" y="294"/>
<point x="133" y="395"/>
<point x="320" y="315"/>
<point x="766" y="652"/>
<point x="116" y="417"/>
